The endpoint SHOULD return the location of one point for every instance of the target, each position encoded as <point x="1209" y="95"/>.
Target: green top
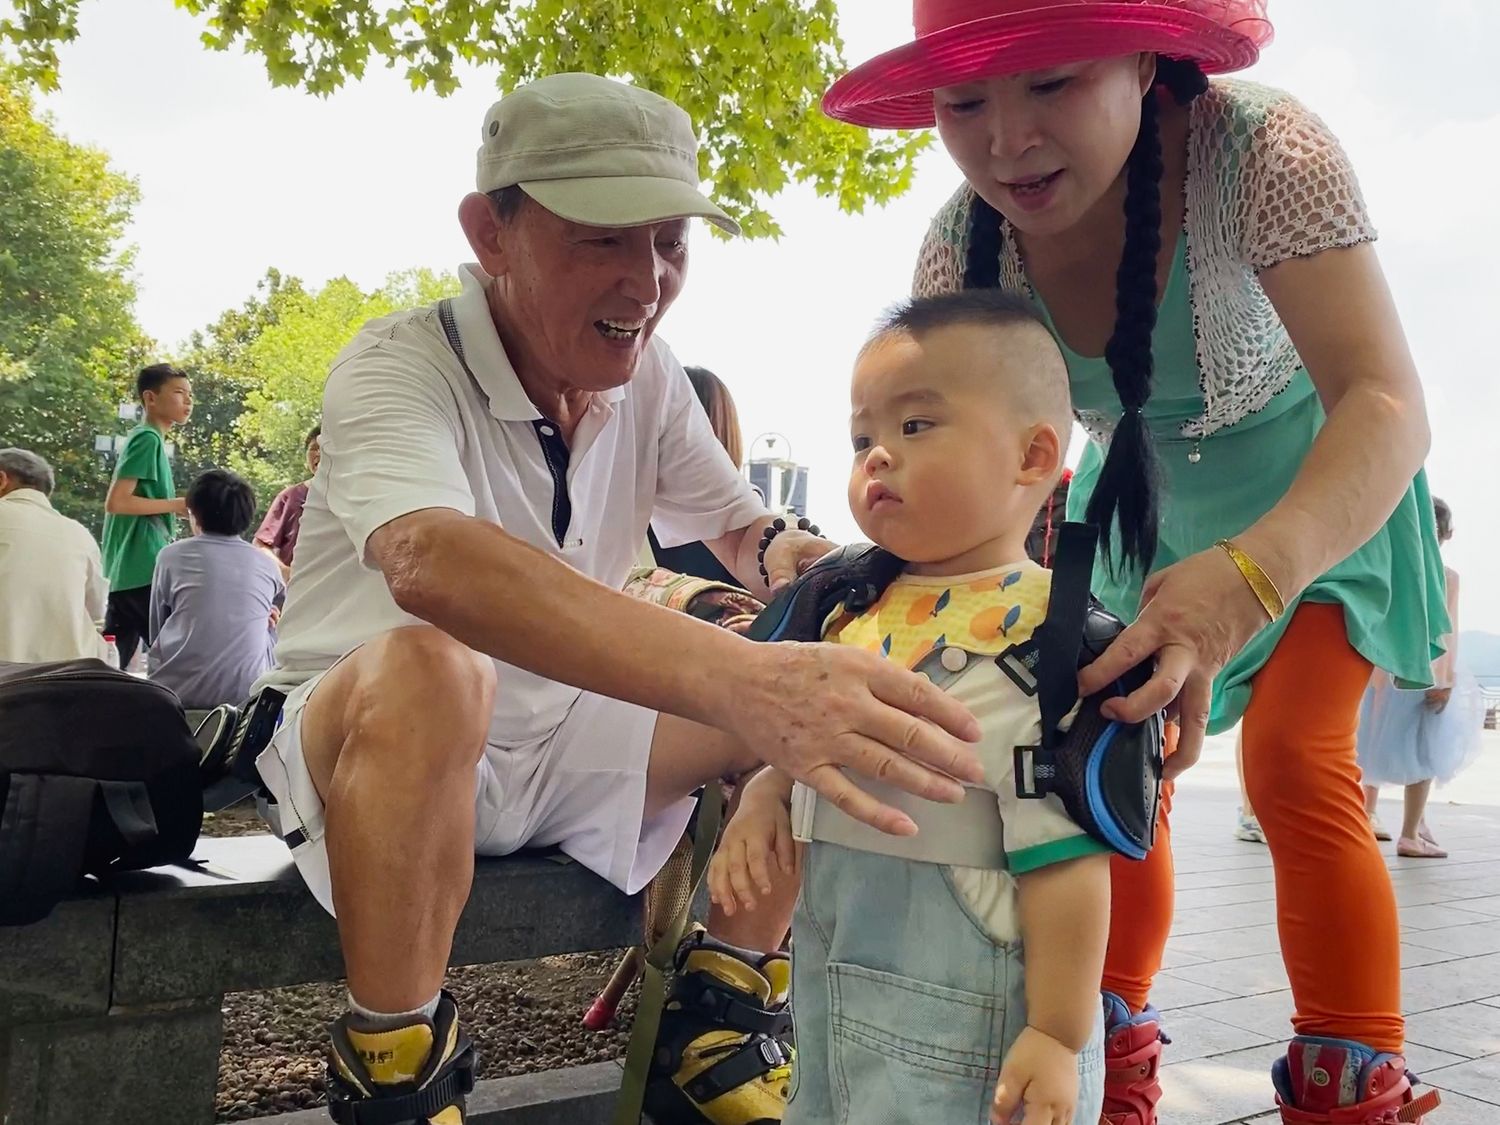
<point x="131" y="543"/>
<point x="1391" y="589"/>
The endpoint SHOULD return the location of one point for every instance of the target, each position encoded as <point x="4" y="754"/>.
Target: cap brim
<point x="625" y="201"/>
<point x="894" y="89"/>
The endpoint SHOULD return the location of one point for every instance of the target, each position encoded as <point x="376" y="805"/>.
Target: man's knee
<point x="424" y="665"/>
<point x="419" y="694"/>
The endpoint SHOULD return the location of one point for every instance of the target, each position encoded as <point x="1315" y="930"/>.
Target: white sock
<point x="366" y="1019"/>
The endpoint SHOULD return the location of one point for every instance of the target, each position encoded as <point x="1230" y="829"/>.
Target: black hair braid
<point x="982" y="262"/>
<point x="1127" y="487"/>
<point x="1183" y="78"/>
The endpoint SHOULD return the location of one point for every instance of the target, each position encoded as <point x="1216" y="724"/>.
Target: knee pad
<point x="1106" y="773"/>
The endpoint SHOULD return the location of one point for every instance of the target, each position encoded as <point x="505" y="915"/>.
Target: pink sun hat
<point x="965" y="40"/>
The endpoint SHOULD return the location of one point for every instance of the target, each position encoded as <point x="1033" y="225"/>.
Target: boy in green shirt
<point x="141" y="508"/>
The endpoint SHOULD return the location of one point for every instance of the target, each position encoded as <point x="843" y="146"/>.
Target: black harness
<point x="1106" y="773"/>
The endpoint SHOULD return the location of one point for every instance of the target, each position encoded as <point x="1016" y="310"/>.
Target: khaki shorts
<point x="581" y="788"/>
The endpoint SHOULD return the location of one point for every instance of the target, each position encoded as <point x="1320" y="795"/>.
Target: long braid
<point x="1128" y="488"/>
<point x="1128" y="485"/>
<point x="982" y="263"/>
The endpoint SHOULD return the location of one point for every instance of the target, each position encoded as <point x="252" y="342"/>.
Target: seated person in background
<point x="960" y="422"/>
<point x="277" y="535"/>
<point x="695" y="558"/>
<point x="52" y="587"/>
<point x="214" y="600"/>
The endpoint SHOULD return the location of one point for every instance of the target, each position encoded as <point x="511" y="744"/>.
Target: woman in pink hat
<point x="1202" y="251"/>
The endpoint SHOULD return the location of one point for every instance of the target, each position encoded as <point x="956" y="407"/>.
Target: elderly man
<point x="462" y="673"/>
<point x="52" y="588"/>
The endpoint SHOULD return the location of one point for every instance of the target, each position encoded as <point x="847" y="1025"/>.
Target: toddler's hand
<point x="757" y="836"/>
<point x="1038" y="1082"/>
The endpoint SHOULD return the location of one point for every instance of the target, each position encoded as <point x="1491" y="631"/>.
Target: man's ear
<point x="481" y="223"/>
<point x="1041" y="454"/>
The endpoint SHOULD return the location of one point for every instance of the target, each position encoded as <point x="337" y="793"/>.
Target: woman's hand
<point x="1195" y="615"/>
<point x="790" y="554"/>
<point x="1437" y="698"/>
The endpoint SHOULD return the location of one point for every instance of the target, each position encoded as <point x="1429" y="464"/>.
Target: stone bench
<point x="110" y="1008"/>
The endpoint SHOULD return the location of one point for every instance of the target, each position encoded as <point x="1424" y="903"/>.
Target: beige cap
<point x="596" y="151"/>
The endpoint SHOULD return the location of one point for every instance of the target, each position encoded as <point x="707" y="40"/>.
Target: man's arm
<point x="122" y="501"/>
<point x="500" y="596"/>
<point x="737" y="552"/>
<point x="813" y="710"/>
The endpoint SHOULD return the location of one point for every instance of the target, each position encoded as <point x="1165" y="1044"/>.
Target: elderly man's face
<point x="584" y="301"/>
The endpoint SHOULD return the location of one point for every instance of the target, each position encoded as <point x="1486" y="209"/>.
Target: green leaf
<point x="750" y="72"/>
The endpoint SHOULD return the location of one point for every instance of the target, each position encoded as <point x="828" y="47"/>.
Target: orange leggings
<point x="1335" y="909"/>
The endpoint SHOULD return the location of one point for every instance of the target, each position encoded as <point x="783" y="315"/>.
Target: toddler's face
<point x="937" y="454"/>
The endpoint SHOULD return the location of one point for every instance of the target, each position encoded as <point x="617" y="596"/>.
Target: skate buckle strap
<point x="710" y="999"/>
<point x="1414" y="1110"/>
<point x="456" y="1083"/>
<point x="750" y="1061"/>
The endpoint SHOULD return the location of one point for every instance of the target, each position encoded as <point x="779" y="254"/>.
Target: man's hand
<point x="815" y="710"/>
<point x="790" y="554"/>
<point x="1038" y="1082"/>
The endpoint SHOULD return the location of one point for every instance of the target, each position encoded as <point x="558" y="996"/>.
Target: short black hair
<point x="222" y="502"/>
<point x="153" y="378"/>
<point x="1444" y="516"/>
<point x="507" y="201"/>
<point x="312" y="435"/>
<point x="981" y="308"/>
<point x="1038" y="389"/>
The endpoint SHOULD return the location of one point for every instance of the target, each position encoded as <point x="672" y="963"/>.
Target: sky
<point x="237" y="176"/>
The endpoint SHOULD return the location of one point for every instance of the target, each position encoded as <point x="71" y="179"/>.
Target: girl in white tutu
<point x="1414" y="738"/>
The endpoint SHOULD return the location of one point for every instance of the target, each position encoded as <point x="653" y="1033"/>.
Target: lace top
<point x="1266" y="181"/>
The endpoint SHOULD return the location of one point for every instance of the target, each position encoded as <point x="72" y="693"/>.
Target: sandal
<point x="1426" y="833"/>
<point x="1418" y="848"/>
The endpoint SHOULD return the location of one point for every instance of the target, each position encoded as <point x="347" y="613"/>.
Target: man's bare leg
<point x="391" y="737"/>
<point x="684" y="756"/>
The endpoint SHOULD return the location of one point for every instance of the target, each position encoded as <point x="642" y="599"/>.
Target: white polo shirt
<point x="405" y="427"/>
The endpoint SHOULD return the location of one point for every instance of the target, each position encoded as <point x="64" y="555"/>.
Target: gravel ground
<point x="523" y="1017"/>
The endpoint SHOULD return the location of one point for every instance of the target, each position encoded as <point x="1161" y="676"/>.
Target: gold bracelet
<point x="1259" y="581"/>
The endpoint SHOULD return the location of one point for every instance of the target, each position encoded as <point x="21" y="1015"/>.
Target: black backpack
<point x="98" y="773"/>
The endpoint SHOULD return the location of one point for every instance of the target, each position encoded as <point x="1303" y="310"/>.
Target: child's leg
<point x="1336" y="910"/>
<point x="1141" y="915"/>
<point x="1416" y="808"/>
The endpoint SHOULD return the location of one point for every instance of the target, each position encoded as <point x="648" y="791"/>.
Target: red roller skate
<point x="1132" y="1057"/>
<point x="1339" y="1082"/>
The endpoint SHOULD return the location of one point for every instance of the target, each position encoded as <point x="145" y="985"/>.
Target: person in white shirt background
<point x="52" y="587"/>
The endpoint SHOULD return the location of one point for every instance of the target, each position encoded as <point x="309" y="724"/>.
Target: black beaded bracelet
<point x="775" y="528"/>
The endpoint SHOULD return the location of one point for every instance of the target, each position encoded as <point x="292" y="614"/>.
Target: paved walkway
<point x="1224" y="992"/>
